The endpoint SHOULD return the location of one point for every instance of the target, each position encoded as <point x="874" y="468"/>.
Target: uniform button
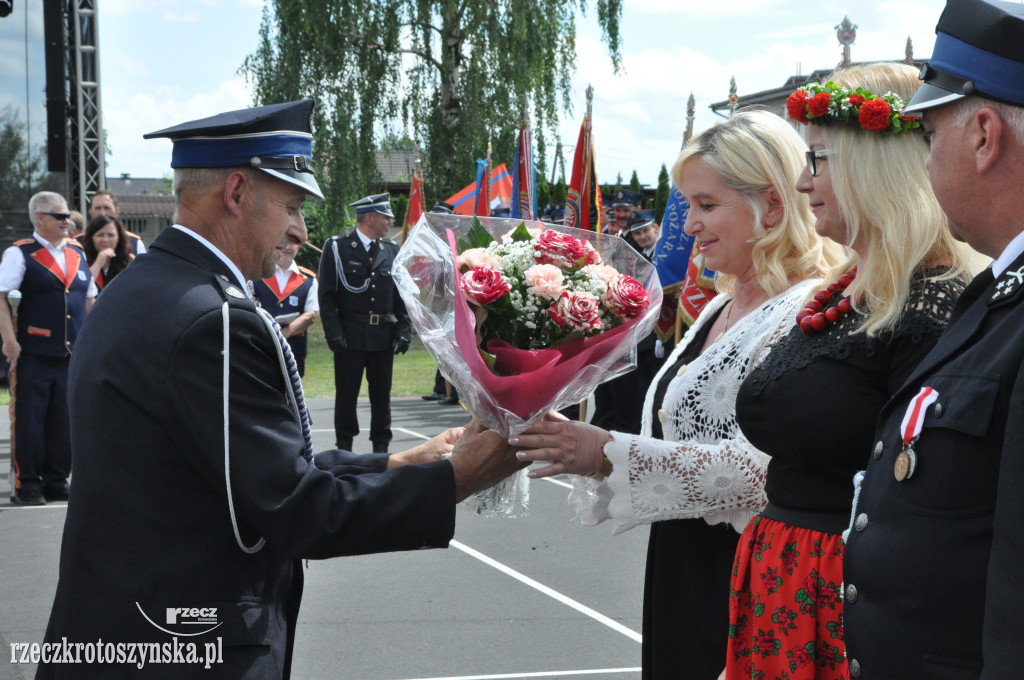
<point x="851" y="593"/>
<point x="854" y="668"/>
<point x="662" y="416"/>
<point x="69" y="316"/>
<point x="877" y="453"/>
<point x="682" y="369"/>
<point x="372" y="299"/>
<point x="373" y="275"/>
<point x="861" y="523"/>
<point x="937" y="411"/>
<point x="373" y="285"/>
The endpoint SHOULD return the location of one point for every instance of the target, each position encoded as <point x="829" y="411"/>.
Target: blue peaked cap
<point x="277" y="139"/>
<point x="979" y="50"/>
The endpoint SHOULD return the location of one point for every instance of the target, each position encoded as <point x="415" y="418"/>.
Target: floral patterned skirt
<point x="785" y="605"/>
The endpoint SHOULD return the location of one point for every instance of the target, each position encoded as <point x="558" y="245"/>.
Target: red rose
<point x="626" y="297"/>
<point x="856" y="99"/>
<point x="874" y="115"/>
<point x="796" y="105"/>
<point x="483" y="285"/>
<point x="554" y="247"/>
<point x="818" y="105"/>
<point x="590" y="255"/>
<point x="579" y="311"/>
<point x="801" y="657"/>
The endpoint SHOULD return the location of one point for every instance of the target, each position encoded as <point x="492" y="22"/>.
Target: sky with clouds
<point x="176" y="60"/>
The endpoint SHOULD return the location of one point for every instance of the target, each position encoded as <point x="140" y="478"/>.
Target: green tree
<point x="452" y="73"/>
<point x="22" y="171"/>
<point x="634" y="183"/>
<point x="661" y="194"/>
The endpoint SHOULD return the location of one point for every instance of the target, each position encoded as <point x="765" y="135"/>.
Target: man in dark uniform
<point x="934" y="563"/>
<point x="364" y="319"/>
<point x="56" y="292"/>
<point x="104" y="203"/>
<point x="625" y="203"/>
<point x="191" y="515"/>
<point x="290" y="295"/>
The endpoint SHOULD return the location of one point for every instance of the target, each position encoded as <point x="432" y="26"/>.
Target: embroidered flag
<point x="415" y="209"/>
<point x="686" y="284"/>
<point x="524" y="181"/>
<point x="583" y="197"/>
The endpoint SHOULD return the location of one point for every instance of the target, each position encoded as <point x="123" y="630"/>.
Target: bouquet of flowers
<point x="524" y="317"/>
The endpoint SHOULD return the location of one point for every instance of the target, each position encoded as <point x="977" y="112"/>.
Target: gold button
<point x="662" y="416"/>
<point x="682" y="369"/>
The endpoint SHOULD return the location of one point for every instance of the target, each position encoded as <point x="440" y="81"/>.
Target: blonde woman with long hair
<point x="812" y="403"/>
<point x="690" y="473"/>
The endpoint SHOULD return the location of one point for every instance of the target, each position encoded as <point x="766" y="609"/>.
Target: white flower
<point x="717" y="481"/>
<point x="717" y="399"/>
<point x="658" y="491"/>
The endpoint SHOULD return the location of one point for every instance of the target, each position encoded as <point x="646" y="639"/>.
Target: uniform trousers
<point x="348" y="377"/>
<point x="40" y="427"/>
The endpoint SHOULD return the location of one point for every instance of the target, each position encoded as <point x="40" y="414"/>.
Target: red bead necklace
<point x="814" y="317"/>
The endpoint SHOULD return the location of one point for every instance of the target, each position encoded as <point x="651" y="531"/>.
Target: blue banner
<point x="672" y="253"/>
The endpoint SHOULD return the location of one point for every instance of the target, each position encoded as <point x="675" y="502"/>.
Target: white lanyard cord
<point x="227" y="448"/>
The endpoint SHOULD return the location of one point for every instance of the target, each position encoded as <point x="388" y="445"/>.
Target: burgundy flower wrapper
<point x="545" y="379"/>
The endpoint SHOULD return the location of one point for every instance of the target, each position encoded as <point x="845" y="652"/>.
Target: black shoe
<point x="345" y="444"/>
<point x="449" y="401"/>
<point x="433" y="396"/>
<point x="56" y="493"/>
<point x="380" y="448"/>
<point x="28" y="498"/>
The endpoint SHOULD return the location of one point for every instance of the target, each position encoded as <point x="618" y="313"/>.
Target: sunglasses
<point x="812" y="159"/>
<point x="60" y="217"/>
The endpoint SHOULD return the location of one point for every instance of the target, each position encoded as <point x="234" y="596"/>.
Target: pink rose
<point x="590" y="254"/>
<point x="579" y="311"/>
<point x="554" y="247"/>
<point x="478" y="257"/>
<point x="544" y="280"/>
<point x="626" y="297"/>
<point x="601" y="272"/>
<point x="483" y="285"/>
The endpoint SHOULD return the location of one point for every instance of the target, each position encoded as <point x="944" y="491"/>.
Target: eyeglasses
<point x="812" y="159"/>
<point x="60" y="217"/>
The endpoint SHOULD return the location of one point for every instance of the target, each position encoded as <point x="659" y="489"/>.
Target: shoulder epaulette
<point x="308" y="272"/>
<point x="394" y="243"/>
<point x="73" y="242"/>
<point x="24" y="242"/>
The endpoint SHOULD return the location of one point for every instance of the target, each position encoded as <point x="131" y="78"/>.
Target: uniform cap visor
<point x="303" y="180"/>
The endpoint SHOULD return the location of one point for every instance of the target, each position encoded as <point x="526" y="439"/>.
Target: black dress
<point x="686" y="592"/>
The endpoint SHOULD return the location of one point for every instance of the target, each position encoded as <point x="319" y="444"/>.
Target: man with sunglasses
<point x="57" y="290"/>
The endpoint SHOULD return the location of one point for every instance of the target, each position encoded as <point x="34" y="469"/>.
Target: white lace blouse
<point x="704" y="467"/>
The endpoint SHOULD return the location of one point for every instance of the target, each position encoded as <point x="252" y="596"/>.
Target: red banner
<point x="415" y="209"/>
<point x="583" y="197"/>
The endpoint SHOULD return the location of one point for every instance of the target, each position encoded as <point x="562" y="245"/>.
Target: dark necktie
<point x="374" y="248"/>
<point x="973" y="291"/>
<point x="296" y="387"/>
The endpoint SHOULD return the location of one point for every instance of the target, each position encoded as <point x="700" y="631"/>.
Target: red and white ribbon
<point x="914" y="418"/>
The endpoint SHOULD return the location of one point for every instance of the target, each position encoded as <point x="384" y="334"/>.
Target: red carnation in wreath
<point x="796" y="105"/>
<point x="874" y="115"/>
<point x="856" y="99"/>
<point x="818" y="105"/>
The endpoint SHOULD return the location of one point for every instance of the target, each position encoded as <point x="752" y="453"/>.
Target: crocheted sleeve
<point x="704" y="467"/>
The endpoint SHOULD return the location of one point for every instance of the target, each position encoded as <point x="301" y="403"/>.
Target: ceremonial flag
<point x="583" y="197"/>
<point x="524" y="181"/>
<point x="687" y="286"/>
<point x="464" y="201"/>
<point x="483" y="199"/>
<point x="415" y="209"/>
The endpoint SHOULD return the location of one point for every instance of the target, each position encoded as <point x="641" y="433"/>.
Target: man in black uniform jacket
<point x="364" y="319"/>
<point x="198" y="507"/>
<point x="934" y="563"/>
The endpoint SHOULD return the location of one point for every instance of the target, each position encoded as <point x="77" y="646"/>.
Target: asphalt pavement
<point x="534" y="597"/>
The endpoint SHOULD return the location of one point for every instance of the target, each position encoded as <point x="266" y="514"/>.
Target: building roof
<point x="126" y="185"/>
<point x="145" y="204"/>
<point x="396" y="167"/>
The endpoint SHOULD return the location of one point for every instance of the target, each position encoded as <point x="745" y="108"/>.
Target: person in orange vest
<point x="290" y="295"/>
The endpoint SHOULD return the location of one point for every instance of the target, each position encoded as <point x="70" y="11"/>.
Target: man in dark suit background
<point x="935" y="556"/>
<point x="364" y="318"/>
<point x="199" y="504"/>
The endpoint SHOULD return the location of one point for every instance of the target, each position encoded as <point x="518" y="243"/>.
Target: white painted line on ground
<point x="545" y="674"/>
<point x="554" y="594"/>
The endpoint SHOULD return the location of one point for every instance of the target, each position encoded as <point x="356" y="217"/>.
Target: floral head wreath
<point x="825" y="103"/>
